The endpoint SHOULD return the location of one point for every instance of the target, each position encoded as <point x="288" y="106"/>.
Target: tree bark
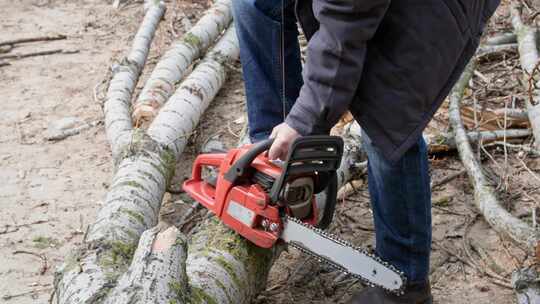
<point x="118" y="100"/>
<point x="157" y="271"/>
<point x="526" y="285"/>
<point x="132" y="204"/>
<point x="484" y="197"/>
<point x="528" y="54"/>
<point x="175" y="122"/>
<point x="175" y="63"/>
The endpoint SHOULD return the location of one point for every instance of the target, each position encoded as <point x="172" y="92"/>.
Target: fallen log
<point x="529" y="58"/>
<point x="102" y="269"/>
<point x="176" y="61"/>
<point x="117" y="105"/>
<point x="156" y="272"/>
<point x="173" y="125"/>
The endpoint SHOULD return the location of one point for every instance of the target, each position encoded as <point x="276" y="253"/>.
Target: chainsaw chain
<point x="342" y="242"/>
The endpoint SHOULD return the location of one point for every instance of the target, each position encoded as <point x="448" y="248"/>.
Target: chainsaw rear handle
<point x="237" y="170"/>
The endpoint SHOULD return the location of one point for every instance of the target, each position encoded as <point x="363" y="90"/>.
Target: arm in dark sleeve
<point x="334" y="61"/>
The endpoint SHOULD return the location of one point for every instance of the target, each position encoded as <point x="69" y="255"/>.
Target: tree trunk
<point x="175" y="63"/>
<point x="528" y="54"/>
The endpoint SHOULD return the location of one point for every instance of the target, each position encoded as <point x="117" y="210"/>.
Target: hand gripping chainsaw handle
<point x="308" y="154"/>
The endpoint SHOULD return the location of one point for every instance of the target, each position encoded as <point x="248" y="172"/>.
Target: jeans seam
<point x="404" y="189"/>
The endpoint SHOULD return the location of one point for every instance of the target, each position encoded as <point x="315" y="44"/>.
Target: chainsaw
<point x="291" y="201"/>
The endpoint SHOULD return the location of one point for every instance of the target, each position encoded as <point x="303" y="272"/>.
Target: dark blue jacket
<point x="391" y="63"/>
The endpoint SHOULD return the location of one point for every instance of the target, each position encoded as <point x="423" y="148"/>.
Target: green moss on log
<point x="220" y="238"/>
<point x="198" y="296"/>
<point x="192" y="40"/>
<point x="230" y="270"/>
<point x="116" y="257"/>
<point x="225" y="291"/>
<point x="138" y="217"/>
<point x="131" y="183"/>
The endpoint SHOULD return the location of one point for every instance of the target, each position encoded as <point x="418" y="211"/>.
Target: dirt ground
<point x="51" y="191"/>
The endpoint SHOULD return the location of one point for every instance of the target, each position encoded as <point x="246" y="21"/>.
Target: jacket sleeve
<point x="334" y="61"/>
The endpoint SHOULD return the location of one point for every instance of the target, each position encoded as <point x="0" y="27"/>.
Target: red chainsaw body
<point x="245" y="207"/>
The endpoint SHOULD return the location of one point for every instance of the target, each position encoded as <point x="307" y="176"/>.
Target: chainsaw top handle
<point x="307" y="154"/>
<point x="314" y="153"/>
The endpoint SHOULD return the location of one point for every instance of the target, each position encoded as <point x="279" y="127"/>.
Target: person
<point x="391" y="64"/>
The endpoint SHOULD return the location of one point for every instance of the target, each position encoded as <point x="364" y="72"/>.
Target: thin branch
<point x="40" y="53"/>
<point x="33" y="39"/>
<point x="484" y="197"/>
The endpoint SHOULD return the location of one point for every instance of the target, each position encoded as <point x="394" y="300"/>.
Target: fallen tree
<point x="174" y="65"/>
<point x="528" y="54"/>
<point x="485" y="199"/>
<point x="144" y="167"/>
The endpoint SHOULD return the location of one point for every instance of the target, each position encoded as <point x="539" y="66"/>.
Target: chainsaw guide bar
<point x="341" y="255"/>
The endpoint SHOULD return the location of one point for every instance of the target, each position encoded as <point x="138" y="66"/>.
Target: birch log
<point x="174" y="64"/>
<point x="484" y="197"/>
<point x="173" y="125"/>
<point x="118" y="101"/>
<point x="156" y="274"/>
<point x="528" y="54"/>
<point x="132" y="206"/>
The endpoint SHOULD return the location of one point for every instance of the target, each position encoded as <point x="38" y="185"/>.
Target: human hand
<point x="283" y="137"/>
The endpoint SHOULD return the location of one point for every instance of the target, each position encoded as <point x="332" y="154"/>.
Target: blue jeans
<point x="400" y="191"/>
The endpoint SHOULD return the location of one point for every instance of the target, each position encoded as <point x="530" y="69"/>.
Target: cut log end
<point x="167" y="239"/>
<point x="144" y="114"/>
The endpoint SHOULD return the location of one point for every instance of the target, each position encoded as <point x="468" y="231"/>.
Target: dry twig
<point x="33" y="39"/>
<point x="40" y="53"/>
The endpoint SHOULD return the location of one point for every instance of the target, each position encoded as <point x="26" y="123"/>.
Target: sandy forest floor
<point x="51" y="191"/>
